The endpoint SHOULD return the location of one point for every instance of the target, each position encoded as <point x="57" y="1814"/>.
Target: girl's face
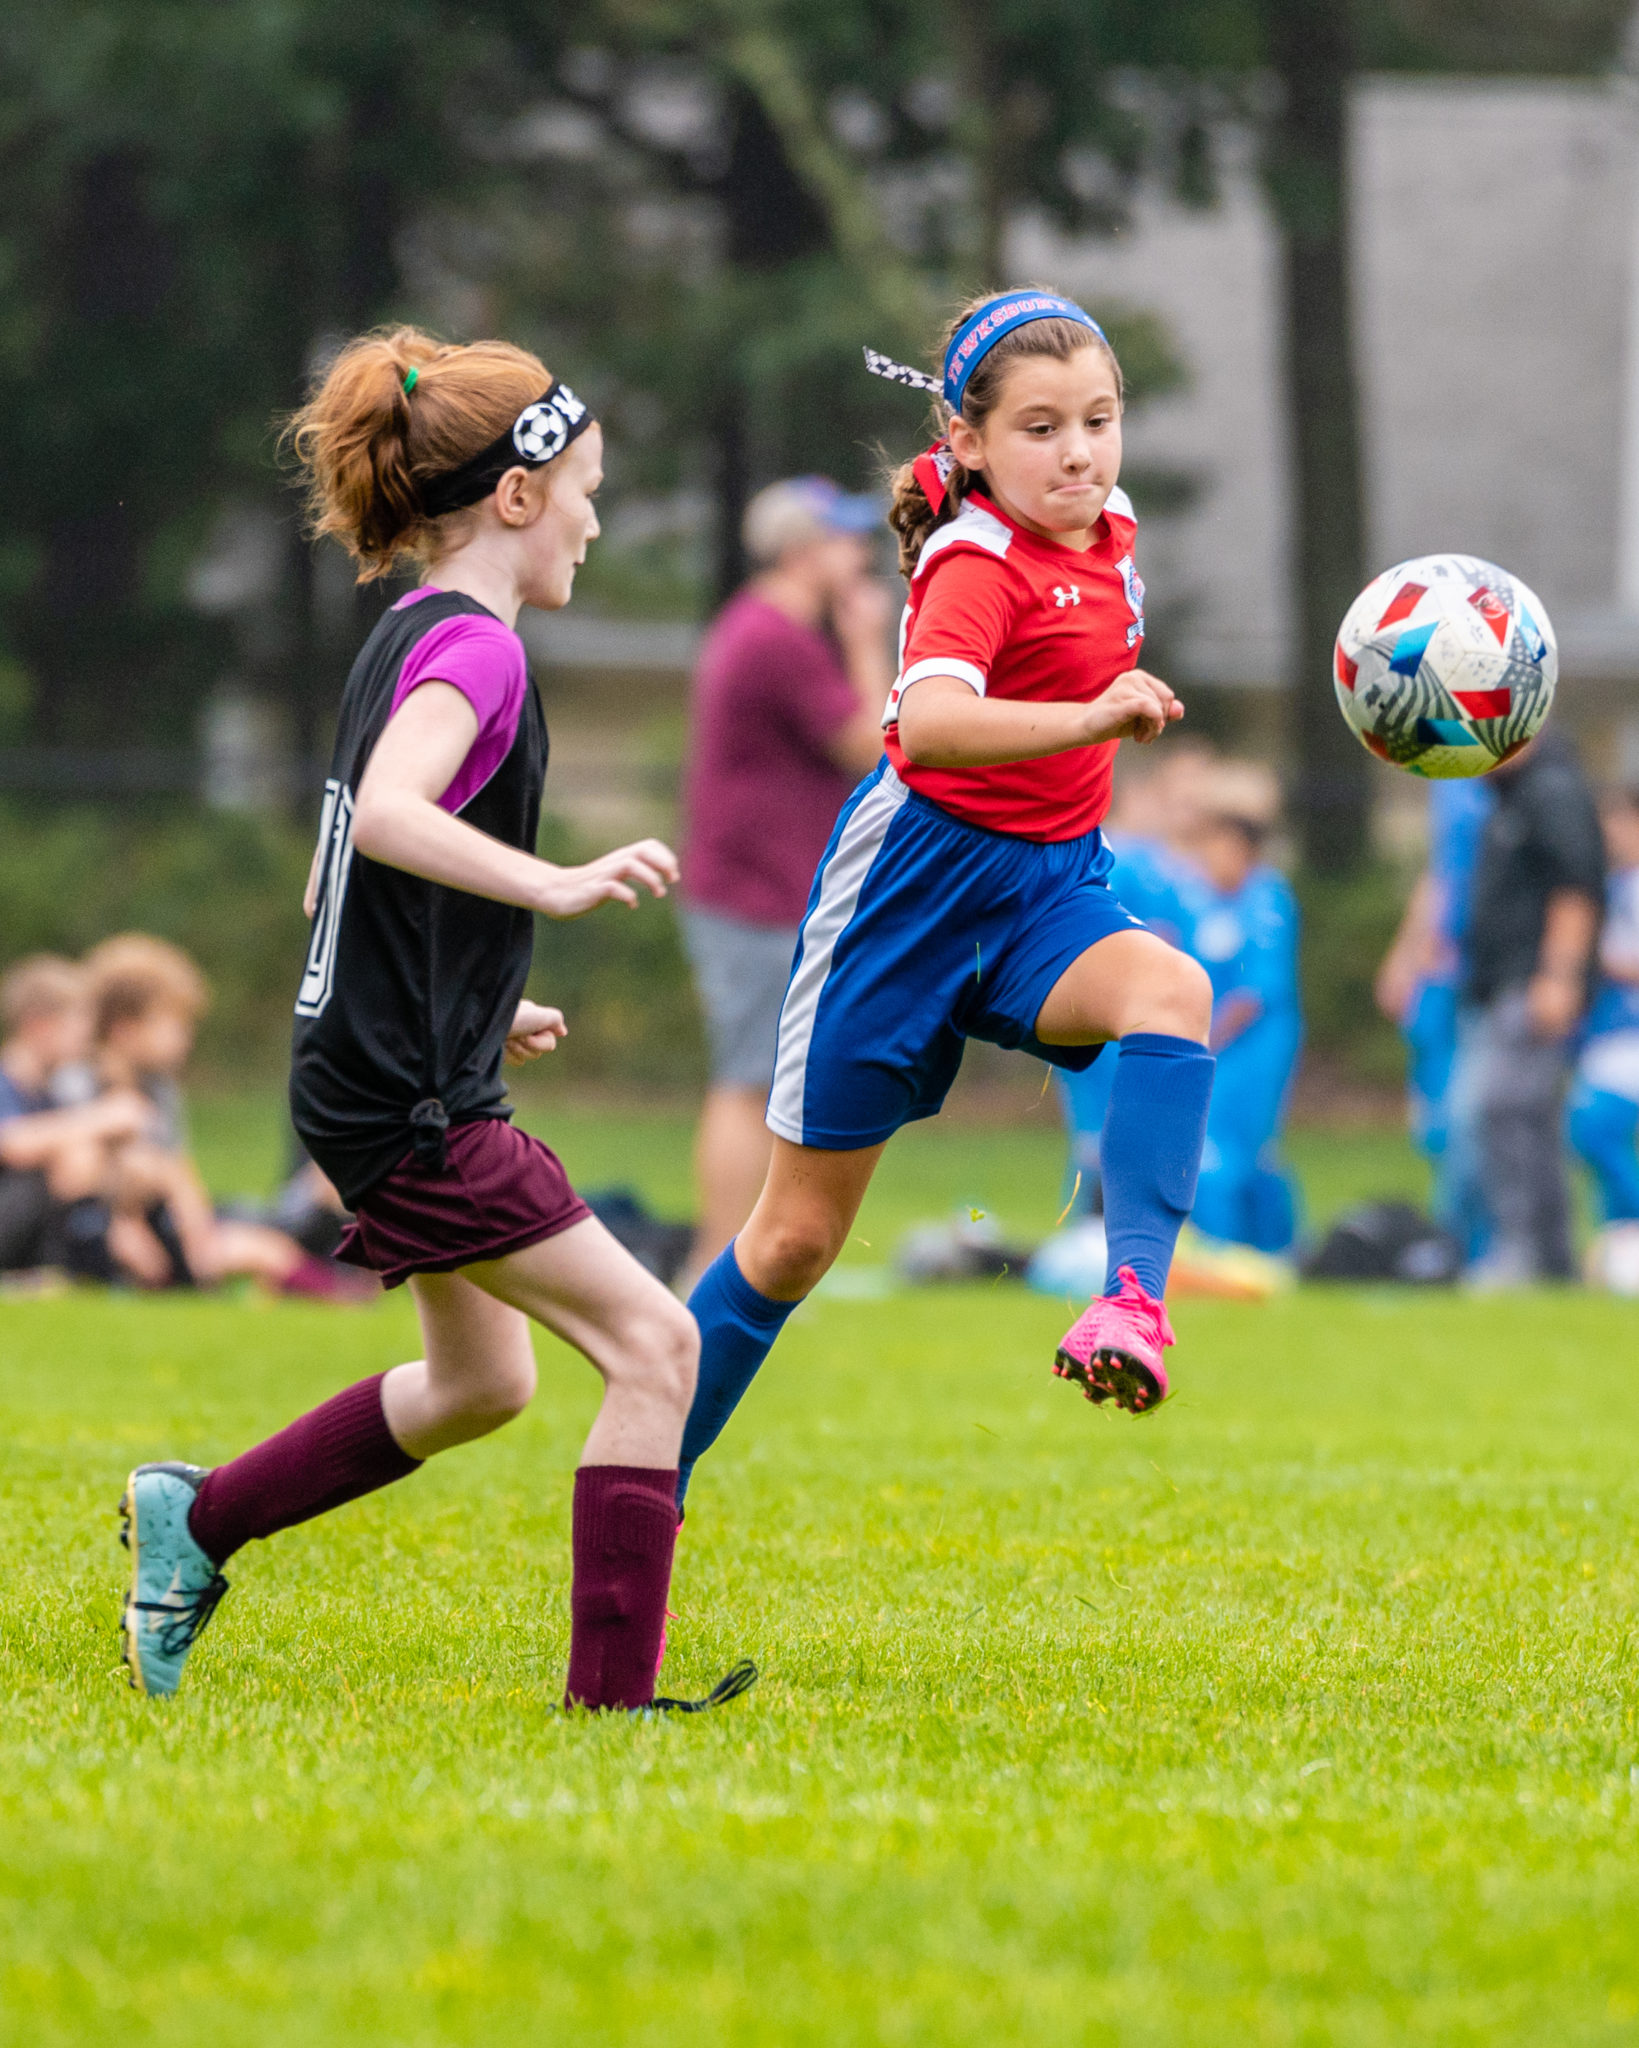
<point x="565" y="522"/>
<point x="1051" y="447"/>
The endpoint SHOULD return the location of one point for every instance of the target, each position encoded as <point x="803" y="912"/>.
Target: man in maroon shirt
<point x="786" y="716"/>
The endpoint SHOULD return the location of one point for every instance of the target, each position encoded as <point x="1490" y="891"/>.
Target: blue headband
<point x="984" y="327"/>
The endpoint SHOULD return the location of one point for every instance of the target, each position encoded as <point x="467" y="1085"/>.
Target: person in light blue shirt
<point x="1417" y="987"/>
<point x="1147" y="878"/>
<point x="1244" y="931"/>
<point x="1211" y="895"/>
<point x="1603" y="1111"/>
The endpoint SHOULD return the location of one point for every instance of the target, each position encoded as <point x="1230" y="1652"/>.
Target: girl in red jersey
<point x="477" y="466"/>
<point x="963" y="894"/>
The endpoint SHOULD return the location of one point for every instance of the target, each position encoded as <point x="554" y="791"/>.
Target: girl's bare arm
<point x="944" y="724"/>
<point x="396" y="820"/>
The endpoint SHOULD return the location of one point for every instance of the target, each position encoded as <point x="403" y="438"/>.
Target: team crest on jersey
<point x="1064" y="594"/>
<point x="1133" y="584"/>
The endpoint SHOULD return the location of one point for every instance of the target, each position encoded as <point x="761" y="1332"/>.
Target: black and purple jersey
<point x="410" y="987"/>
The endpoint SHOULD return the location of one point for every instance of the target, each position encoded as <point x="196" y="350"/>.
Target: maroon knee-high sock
<point x="334" y="1453"/>
<point x="625" y="1530"/>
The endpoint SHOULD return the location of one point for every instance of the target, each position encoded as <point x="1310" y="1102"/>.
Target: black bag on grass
<point x="1386" y="1241"/>
<point x="25" y="1217"/>
<point x="660" y="1246"/>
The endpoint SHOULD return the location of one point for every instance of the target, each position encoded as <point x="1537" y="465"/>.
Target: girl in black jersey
<point x="479" y="467"/>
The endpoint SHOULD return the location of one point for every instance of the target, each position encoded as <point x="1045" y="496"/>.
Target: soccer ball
<point x="1446" y="665"/>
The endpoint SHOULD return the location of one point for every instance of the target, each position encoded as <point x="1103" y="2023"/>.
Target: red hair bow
<point x="932" y="471"/>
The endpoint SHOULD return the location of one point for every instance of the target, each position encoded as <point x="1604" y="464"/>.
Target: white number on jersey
<point x="336" y="858"/>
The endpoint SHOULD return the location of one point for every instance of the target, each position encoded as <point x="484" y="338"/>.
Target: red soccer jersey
<point x="1014" y="615"/>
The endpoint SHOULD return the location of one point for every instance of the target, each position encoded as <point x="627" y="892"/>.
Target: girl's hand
<point x="535" y="1029"/>
<point x="616" y="878"/>
<point x="1136" y="706"/>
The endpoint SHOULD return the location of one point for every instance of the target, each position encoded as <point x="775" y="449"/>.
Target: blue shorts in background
<point x="922" y="932"/>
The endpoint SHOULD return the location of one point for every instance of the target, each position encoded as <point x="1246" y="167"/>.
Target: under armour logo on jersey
<point x="1064" y="594"/>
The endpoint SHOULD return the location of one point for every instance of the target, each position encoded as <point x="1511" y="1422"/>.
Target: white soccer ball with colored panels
<point x="1446" y="666"/>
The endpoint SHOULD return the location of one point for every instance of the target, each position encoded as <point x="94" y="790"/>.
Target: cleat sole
<point x="1112" y="1376"/>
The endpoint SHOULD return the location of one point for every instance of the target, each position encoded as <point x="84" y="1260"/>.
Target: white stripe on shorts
<point x="845" y="874"/>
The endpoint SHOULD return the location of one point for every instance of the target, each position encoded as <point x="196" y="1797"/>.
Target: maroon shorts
<point x="499" y="1191"/>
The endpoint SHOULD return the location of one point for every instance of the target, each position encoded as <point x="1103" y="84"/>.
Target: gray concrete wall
<point x="1493" y="246"/>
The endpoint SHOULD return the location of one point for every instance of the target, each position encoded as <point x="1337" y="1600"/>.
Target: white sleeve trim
<point x="1121" y="505"/>
<point x="935" y="665"/>
<point x="972" y="524"/>
<point x="946" y="665"/>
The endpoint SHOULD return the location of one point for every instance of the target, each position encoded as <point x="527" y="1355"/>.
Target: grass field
<point x="1302" y="1712"/>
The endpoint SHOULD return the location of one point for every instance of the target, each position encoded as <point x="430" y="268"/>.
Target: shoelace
<point x="729" y="1687"/>
<point x="190" y="1619"/>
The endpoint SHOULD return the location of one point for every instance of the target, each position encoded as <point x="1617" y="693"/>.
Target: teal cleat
<point x="175" y="1587"/>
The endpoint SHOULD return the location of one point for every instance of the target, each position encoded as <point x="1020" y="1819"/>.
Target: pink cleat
<point x="1113" y="1350"/>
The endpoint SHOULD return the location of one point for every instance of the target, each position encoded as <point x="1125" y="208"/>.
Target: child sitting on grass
<point x="147" y="998"/>
<point x="56" y="1164"/>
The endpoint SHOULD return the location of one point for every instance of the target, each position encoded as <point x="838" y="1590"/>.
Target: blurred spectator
<point x="1193" y="871"/>
<point x="1244" y="932"/>
<point x="1604" y="1106"/>
<point x="147" y="999"/>
<point x="785" y="718"/>
<point x="1153" y="817"/>
<point x="1539" y="890"/>
<point x="55" y="1163"/>
<point x="1417" y="988"/>
<point x="1153" y="811"/>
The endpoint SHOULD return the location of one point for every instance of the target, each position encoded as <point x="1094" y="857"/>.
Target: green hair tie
<point x="411" y="378"/>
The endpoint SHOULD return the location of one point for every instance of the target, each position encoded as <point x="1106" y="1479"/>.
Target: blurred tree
<point x="194" y="195"/>
<point x="1311" y="50"/>
<point x="700" y="206"/>
<point x="775" y="183"/>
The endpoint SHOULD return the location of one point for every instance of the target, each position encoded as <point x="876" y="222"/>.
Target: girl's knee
<point x="504" y="1390"/>
<point x="791" y="1255"/>
<point x="1173" y="998"/>
<point x="658" y="1350"/>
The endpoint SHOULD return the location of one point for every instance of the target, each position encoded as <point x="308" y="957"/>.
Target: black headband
<point x="539" y="434"/>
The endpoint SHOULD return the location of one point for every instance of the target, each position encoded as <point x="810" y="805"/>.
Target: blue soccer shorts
<point x="921" y="933"/>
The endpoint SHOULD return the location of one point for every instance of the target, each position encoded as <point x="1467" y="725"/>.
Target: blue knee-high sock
<point x="1151" y="1152"/>
<point x="737" y="1331"/>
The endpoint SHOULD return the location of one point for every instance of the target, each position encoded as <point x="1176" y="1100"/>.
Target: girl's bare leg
<point x="591" y="1292"/>
<point x="478" y="1372"/>
<point x="1129" y="982"/>
<point x="803" y="1217"/>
